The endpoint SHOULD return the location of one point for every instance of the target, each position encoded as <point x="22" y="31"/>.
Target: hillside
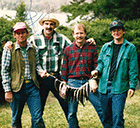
<point x="36" y="5"/>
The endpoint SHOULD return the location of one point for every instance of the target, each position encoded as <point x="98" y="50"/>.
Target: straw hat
<point x="50" y="19"/>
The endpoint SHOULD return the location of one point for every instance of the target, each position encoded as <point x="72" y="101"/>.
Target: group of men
<point x="116" y="66"/>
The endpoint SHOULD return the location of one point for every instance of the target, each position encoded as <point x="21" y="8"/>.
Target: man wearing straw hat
<point x="51" y="48"/>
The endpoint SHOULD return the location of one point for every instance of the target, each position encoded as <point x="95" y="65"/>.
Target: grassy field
<point x="54" y="117"/>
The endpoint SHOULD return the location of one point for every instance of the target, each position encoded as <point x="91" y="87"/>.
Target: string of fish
<point x="78" y="94"/>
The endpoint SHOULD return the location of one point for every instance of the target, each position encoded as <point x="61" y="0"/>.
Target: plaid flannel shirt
<point x="50" y="51"/>
<point x="79" y="62"/>
<point x="6" y="60"/>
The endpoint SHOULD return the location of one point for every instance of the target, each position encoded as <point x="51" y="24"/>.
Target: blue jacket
<point x="126" y="75"/>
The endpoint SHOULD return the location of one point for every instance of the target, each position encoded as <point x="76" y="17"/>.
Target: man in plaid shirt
<point x="51" y="50"/>
<point x="20" y="84"/>
<point x="51" y="47"/>
<point x="79" y="60"/>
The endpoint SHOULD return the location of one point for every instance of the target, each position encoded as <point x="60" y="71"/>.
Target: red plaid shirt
<point x="79" y="62"/>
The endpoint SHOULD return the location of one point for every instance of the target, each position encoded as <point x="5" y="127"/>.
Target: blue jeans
<point x="29" y="93"/>
<point x="73" y="105"/>
<point x="113" y="107"/>
<point x="47" y="85"/>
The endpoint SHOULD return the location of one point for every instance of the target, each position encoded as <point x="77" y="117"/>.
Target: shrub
<point x="99" y="30"/>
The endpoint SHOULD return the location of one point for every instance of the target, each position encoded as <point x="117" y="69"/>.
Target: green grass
<point x="54" y="117"/>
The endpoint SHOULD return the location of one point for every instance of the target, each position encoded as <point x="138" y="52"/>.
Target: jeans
<point x="73" y="105"/>
<point x="113" y="107"/>
<point x="29" y="93"/>
<point x="47" y="85"/>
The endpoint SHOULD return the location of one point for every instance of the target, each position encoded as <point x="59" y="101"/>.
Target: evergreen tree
<point x="121" y="9"/>
<point x="6" y="34"/>
<point x="20" y="12"/>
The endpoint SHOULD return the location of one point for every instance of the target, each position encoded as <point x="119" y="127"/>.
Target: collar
<point x="74" y="43"/>
<point x="17" y="46"/>
<point x="125" y="43"/>
<point x="55" y="36"/>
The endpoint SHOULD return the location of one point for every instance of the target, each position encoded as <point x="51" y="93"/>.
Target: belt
<point x="54" y="73"/>
<point x="109" y="82"/>
<point x="81" y="78"/>
<point x="27" y="81"/>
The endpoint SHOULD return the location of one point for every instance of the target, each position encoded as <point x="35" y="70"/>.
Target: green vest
<point x="18" y="68"/>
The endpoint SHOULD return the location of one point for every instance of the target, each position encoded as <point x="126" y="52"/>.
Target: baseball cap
<point x="49" y="19"/>
<point x="19" y="25"/>
<point x="116" y="23"/>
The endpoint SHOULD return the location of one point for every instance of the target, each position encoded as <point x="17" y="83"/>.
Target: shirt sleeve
<point x="38" y="66"/>
<point x="31" y="40"/>
<point x="64" y="69"/>
<point x="5" y="70"/>
<point x="133" y="68"/>
<point x="100" y="61"/>
<point x="68" y="42"/>
<point x="95" y="57"/>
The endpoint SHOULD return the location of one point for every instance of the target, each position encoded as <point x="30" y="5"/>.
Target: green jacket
<point x="18" y="66"/>
<point x="126" y="75"/>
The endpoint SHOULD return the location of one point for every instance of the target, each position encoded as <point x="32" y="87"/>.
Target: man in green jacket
<point x="19" y="78"/>
<point x="118" y="71"/>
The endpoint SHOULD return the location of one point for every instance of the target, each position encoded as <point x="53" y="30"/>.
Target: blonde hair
<point x="79" y="26"/>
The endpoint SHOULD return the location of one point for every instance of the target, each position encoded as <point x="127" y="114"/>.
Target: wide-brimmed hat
<point x="116" y="23"/>
<point x="19" y="25"/>
<point x="49" y="19"/>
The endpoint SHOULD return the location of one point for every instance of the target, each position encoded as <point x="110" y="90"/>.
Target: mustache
<point x="79" y="38"/>
<point x="48" y="28"/>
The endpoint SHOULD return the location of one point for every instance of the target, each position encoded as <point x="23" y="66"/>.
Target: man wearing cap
<point x="118" y="71"/>
<point x="19" y="79"/>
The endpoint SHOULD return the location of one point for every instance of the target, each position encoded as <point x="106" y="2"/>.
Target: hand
<point x="62" y="89"/>
<point x="93" y="85"/>
<point x="131" y="92"/>
<point x="44" y="74"/>
<point x="91" y="41"/>
<point x="94" y="74"/>
<point x="8" y="45"/>
<point x="9" y="97"/>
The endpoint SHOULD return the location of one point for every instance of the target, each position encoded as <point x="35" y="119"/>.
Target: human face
<point x="21" y="36"/>
<point x="48" y="27"/>
<point x="79" y="35"/>
<point x="117" y="33"/>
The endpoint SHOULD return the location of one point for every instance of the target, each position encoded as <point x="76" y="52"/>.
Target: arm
<point x="40" y="71"/>
<point x="91" y="41"/>
<point x="94" y="73"/>
<point x="100" y="62"/>
<point x="93" y="82"/>
<point x="5" y="72"/>
<point x="8" y="45"/>
<point x="133" y="71"/>
<point x="64" y="68"/>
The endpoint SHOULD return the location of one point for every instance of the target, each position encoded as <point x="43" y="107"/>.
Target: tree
<point x="20" y="12"/>
<point x="76" y="8"/>
<point x="121" y="9"/>
<point x="6" y="34"/>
